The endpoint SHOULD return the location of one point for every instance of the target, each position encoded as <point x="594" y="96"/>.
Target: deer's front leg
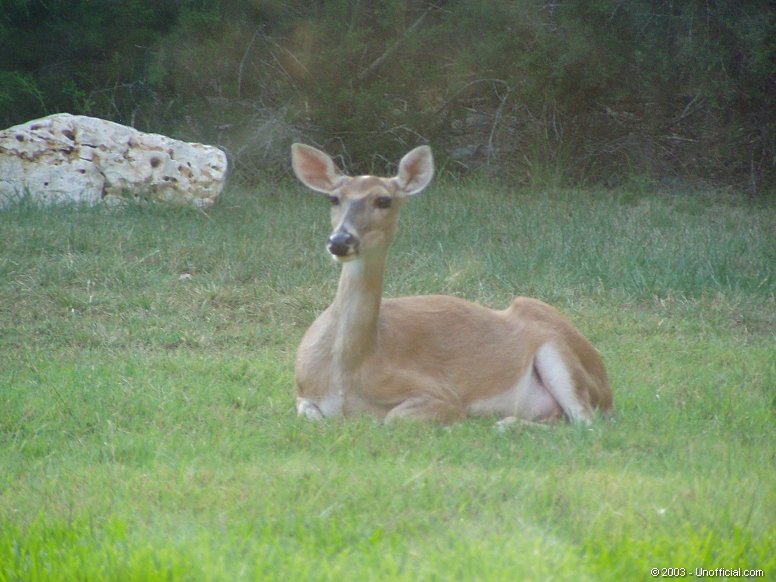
<point x="425" y="408"/>
<point x="307" y="409"/>
<point x="329" y="405"/>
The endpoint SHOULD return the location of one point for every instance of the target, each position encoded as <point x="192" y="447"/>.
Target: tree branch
<point x="372" y="69"/>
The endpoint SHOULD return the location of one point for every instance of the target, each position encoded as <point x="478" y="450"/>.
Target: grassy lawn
<point x="147" y="423"/>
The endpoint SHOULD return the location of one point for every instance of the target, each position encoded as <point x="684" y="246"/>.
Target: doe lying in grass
<point x="428" y="357"/>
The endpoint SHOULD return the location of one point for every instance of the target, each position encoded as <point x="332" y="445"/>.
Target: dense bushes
<point x="595" y="91"/>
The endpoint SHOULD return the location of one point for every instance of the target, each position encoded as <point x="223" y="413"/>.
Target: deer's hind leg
<point x="553" y="375"/>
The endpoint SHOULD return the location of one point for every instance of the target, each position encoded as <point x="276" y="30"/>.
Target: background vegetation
<point x="595" y="92"/>
<point x="147" y="424"/>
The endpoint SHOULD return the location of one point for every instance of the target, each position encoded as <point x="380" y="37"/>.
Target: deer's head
<point x="364" y="209"/>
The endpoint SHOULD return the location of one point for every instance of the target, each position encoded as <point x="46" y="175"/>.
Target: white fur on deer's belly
<point x="528" y="399"/>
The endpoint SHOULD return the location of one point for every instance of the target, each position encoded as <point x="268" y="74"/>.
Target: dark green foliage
<point x="80" y="56"/>
<point x="594" y="92"/>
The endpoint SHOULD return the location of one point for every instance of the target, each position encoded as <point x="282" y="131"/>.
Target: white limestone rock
<point x="67" y="158"/>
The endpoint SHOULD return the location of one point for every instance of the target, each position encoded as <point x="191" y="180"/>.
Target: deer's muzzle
<point x="342" y="244"/>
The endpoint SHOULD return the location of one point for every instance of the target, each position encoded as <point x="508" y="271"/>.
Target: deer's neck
<point x="356" y="309"/>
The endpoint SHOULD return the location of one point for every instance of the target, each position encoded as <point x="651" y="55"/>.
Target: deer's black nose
<point x="341" y="243"/>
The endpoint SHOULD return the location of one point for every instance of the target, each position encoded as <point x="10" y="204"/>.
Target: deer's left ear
<point x="315" y="169"/>
<point x="415" y="171"/>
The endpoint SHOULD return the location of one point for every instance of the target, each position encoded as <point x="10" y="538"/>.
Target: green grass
<point x="147" y="426"/>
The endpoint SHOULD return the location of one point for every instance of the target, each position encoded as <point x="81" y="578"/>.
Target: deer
<point x="431" y="358"/>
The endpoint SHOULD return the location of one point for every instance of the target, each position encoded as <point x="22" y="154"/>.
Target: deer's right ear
<point x="415" y="171"/>
<point x="315" y="169"/>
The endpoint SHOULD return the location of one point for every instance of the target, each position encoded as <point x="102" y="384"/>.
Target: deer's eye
<point x="383" y="202"/>
<point x="334" y="200"/>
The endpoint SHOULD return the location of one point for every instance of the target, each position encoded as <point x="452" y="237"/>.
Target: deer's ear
<point x="315" y="169"/>
<point x="415" y="171"/>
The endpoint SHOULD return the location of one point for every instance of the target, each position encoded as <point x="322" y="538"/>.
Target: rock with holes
<point x="67" y="158"/>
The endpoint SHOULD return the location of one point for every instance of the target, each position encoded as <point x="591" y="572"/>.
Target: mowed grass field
<point x="147" y="421"/>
